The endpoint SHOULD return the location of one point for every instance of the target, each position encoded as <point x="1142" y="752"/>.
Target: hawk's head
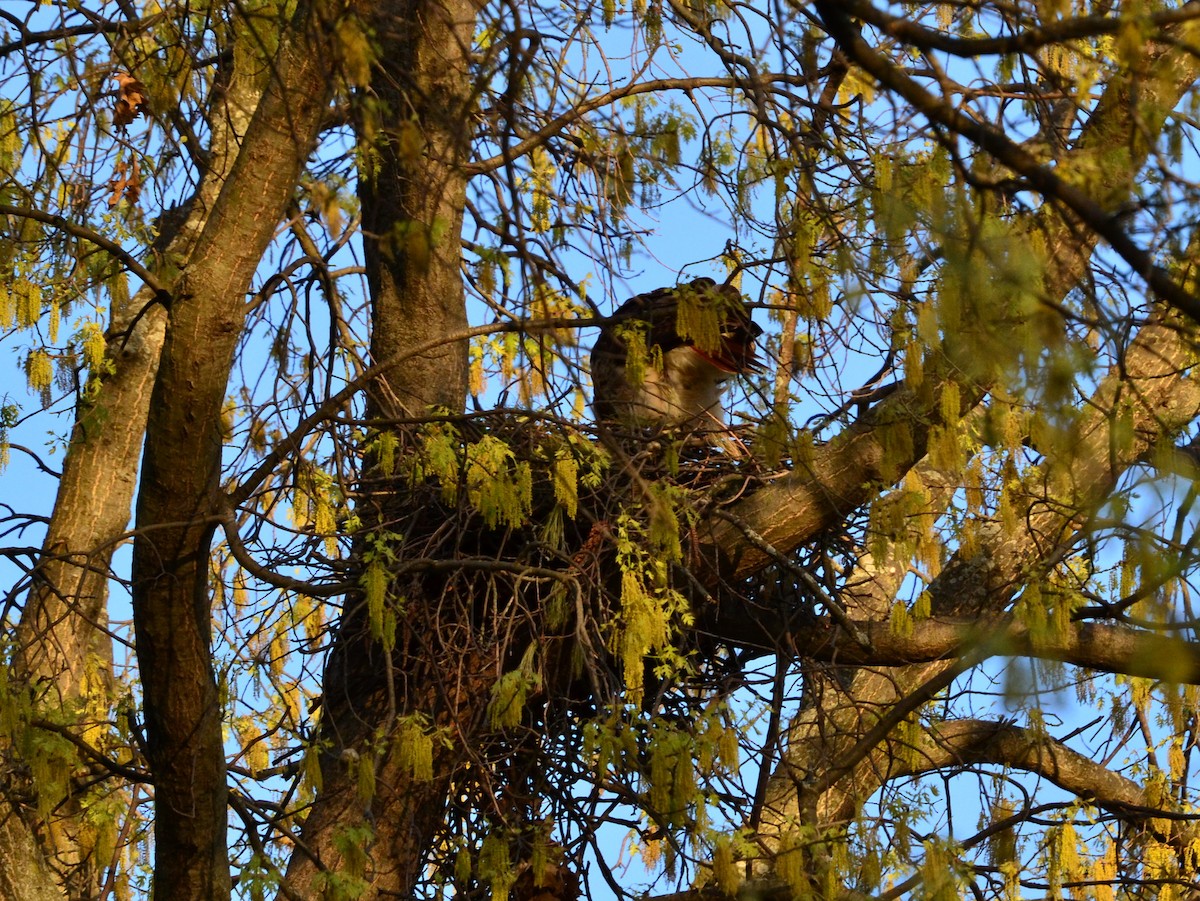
<point x="664" y="357"/>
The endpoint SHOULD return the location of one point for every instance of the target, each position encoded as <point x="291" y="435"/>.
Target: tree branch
<point x="161" y="293"/>
<point x="1100" y="647"/>
<point x="1026" y="41"/>
<point x="1105" y="222"/>
<point x="578" y="111"/>
<point x="960" y="743"/>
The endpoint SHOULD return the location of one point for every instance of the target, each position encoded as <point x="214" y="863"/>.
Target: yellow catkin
<point x="39" y="371"/>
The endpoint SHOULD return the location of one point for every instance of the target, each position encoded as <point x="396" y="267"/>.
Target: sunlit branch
<point x="1095" y="646"/>
<point x="960" y="743"/>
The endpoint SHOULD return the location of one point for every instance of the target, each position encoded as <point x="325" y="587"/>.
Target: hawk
<point x="664" y="358"/>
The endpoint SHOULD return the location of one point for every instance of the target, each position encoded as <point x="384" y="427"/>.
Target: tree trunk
<point x="413" y="191"/>
<point x="178" y="502"/>
<point x="61" y="646"/>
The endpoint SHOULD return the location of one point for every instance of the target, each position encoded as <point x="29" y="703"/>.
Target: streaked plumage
<point x="683" y="375"/>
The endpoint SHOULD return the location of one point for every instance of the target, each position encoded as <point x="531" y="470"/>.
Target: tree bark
<point x="61" y="646"/>
<point x="177" y="504"/>
<point x="413" y="192"/>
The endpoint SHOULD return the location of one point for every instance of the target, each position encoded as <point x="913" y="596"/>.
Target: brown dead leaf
<point x="132" y="100"/>
<point x="126" y="182"/>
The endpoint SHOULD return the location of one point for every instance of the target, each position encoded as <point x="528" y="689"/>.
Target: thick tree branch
<point x="1096" y="646"/>
<point x="842" y="475"/>
<point x="960" y="743"/>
